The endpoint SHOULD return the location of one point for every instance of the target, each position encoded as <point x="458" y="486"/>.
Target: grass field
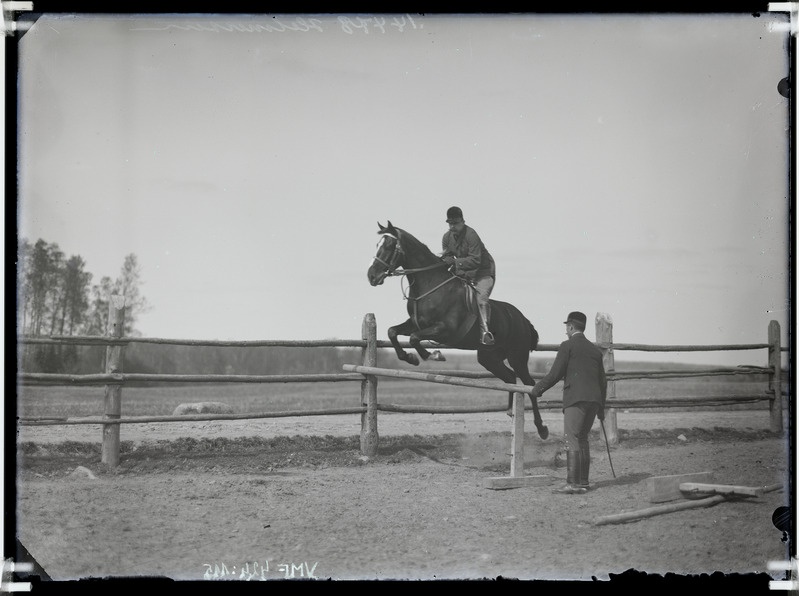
<point x="63" y="402"/>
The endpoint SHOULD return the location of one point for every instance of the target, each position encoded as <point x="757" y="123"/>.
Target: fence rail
<point x="42" y="421"/>
<point x="101" y="340"/>
<point x="114" y="379"/>
<point x="123" y="378"/>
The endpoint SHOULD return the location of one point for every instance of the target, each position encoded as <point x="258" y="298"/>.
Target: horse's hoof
<point x="437" y="356"/>
<point x="412" y="359"/>
<point x="543" y="431"/>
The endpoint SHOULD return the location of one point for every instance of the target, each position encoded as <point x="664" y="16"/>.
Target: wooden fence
<point x="114" y="378"/>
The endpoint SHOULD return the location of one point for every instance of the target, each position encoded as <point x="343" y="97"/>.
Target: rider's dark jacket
<point x="472" y="259"/>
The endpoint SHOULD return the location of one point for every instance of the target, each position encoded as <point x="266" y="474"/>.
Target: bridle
<point x="391" y="267"/>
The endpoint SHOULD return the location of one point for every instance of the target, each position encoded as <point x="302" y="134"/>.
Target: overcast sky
<point x="634" y="165"/>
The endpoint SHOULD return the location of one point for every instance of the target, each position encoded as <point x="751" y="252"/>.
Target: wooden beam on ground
<point x="699" y="489"/>
<point x="667" y="488"/>
<point x="729" y="490"/>
<point x="506" y="482"/>
<point x="618" y="518"/>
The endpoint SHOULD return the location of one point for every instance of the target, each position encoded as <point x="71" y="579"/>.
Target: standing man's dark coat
<point x="579" y="364"/>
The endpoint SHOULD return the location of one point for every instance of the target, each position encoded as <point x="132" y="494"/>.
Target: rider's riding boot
<point x="486" y="337"/>
<point x="573" y="466"/>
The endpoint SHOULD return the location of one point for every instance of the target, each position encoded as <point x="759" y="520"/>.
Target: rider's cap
<point x="575" y="316"/>
<point x="454" y="215"/>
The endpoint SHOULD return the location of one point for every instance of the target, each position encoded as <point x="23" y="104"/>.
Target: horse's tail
<point x="533" y="337"/>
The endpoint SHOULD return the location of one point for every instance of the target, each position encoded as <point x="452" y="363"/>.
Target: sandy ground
<point x="294" y="498"/>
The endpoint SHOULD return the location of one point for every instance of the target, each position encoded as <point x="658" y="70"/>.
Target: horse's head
<point x="388" y="257"/>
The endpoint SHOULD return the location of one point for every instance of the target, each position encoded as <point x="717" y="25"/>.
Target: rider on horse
<point x="468" y="257"/>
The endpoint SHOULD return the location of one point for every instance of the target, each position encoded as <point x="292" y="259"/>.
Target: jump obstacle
<point x="114" y="379"/>
<point x="516" y="478"/>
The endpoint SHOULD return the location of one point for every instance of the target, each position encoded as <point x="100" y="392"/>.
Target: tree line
<point x="56" y="296"/>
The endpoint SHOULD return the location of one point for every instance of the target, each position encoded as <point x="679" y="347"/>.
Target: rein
<point x="392" y="271"/>
<point x="418" y="298"/>
<point x="398" y="251"/>
<point x="427" y="293"/>
<point x="407" y="271"/>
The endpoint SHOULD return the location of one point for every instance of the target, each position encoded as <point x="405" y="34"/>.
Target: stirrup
<point x="487" y="339"/>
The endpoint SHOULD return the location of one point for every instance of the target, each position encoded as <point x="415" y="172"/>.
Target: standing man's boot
<point x="585" y="466"/>
<point x="486" y="337"/>
<point x="573" y="466"/>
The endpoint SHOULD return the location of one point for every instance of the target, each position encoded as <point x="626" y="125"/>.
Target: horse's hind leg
<point x="494" y="362"/>
<point x="491" y="360"/>
<point x="519" y="363"/>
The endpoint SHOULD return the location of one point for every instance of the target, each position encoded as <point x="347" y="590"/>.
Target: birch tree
<point x="128" y="284"/>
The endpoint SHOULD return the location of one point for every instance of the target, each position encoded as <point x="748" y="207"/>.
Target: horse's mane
<point x="408" y="238"/>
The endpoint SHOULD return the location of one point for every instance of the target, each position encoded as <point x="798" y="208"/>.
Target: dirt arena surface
<point x="294" y="498"/>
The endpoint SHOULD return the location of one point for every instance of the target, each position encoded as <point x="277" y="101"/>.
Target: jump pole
<point x="436" y="378"/>
<point x="516" y="479"/>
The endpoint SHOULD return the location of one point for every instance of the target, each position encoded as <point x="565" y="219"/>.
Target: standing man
<point x="464" y="250"/>
<point x="579" y="365"/>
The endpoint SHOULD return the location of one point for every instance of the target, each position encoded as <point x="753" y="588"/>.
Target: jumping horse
<point x="443" y="309"/>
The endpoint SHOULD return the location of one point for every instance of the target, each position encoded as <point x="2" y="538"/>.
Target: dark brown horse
<point x="441" y="309"/>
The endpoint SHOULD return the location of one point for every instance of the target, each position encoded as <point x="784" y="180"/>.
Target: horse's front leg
<point x="428" y="333"/>
<point x="405" y="329"/>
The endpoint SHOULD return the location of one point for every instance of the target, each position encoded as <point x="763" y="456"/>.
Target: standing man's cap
<point x="576" y="316"/>
<point x="454" y="215"/>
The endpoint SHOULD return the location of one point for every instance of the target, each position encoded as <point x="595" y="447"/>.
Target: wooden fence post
<point x="775" y="377"/>
<point x="369" y="436"/>
<point x="113" y="393"/>
<point x="604" y="335"/>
